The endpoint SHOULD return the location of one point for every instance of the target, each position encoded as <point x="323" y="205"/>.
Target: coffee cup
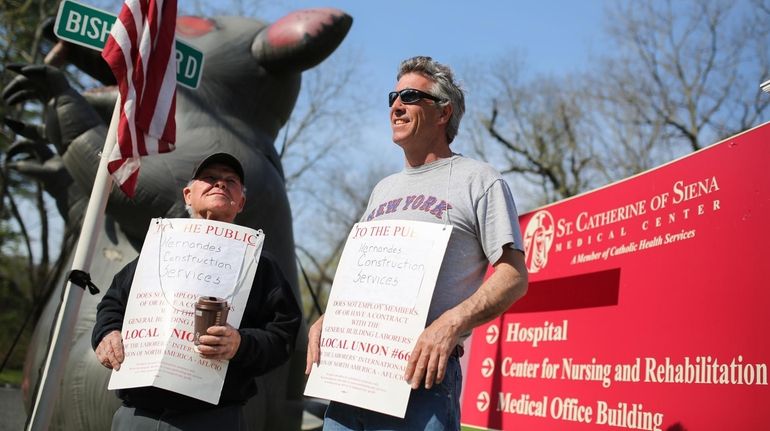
<point x="209" y="311"/>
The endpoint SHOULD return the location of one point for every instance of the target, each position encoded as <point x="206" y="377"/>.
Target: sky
<point x="557" y="34"/>
<point x="553" y="36"/>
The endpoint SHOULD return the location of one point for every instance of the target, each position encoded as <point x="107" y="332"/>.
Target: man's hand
<point x="432" y="351"/>
<point x="109" y="352"/>
<point x="314" y="345"/>
<point x="434" y="347"/>
<point x="221" y="342"/>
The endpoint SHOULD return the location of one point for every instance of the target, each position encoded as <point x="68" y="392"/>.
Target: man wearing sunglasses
<point x="440" y="186"/>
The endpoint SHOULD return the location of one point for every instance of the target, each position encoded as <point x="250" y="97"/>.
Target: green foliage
<point x="11" y="377"/>
<point x="15" y="295"/>
<point x="23" y="213"/>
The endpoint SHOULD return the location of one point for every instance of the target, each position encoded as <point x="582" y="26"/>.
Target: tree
<point x="25" y="223"/>
<point x="538" y="129"/>
<point x="687" y="71"/>
<point x="679" y="76"/>
<point x="329" y="216"/>
<point x="328" y="177"/>
<point x="324" y="121"/>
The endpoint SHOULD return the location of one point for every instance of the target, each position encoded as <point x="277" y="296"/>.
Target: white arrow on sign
<point x="487" y="367"/>
<point x="492" y="333"/>
<point x="482" y="402"/>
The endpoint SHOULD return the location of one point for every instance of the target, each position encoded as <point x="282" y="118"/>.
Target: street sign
<point x="88" y="26"/>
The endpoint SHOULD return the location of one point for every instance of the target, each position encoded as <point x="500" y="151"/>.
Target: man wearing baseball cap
<point x="216" y="188"/>
<point x="264" y="340"/>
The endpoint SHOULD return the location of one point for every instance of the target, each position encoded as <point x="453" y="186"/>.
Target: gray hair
<point x="187" y="206"/>
<point x="444" y="87"/>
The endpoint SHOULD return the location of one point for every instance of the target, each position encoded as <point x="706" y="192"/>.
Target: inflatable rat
<point x="249" y="85"/>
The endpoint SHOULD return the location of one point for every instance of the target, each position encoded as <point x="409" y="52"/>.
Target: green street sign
<point x="90" y="27"/>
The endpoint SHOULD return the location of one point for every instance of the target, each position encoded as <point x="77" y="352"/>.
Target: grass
<point x="12" y="377"/>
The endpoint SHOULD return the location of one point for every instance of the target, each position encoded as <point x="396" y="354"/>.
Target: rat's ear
<point x="301" y="39"/>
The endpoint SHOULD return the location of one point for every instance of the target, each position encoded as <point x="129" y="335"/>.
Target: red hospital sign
<point x="648" y="305"/>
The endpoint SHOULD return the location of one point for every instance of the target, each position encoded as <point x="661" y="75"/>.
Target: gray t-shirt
<point x="471" y="196"/>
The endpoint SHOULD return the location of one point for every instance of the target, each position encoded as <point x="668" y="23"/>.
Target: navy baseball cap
<point x="221" y="158"/>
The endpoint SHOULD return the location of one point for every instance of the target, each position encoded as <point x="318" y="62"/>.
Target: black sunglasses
<point x="410" y="95"/>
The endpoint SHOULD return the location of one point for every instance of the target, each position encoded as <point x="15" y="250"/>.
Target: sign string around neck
<point x="447" y="221"/>
<point x="448" y="187"/>
<point x="252" y="260"/>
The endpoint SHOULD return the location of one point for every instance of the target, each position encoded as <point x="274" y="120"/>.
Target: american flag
<point x="141" y="54"/>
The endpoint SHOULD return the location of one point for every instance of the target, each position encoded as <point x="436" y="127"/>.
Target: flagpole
<point x="64" y="327"/>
